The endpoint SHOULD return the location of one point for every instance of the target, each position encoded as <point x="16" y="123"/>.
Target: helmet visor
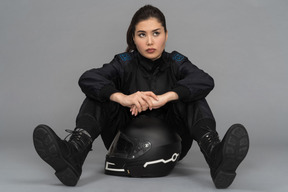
<point x="127" y="147"/>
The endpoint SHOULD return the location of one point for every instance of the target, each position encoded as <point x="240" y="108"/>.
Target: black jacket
<point x="131" y="72"/>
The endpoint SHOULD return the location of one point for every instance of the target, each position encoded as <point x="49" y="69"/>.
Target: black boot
<point x="65" y="157"/>
<point x="224" y="157"/>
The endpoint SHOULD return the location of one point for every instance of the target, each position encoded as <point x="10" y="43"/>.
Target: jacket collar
<point x="149" y="65"/>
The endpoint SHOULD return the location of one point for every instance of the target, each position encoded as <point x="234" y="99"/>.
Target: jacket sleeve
<point x="192" y="82"/>
<point x="101" y="83"/>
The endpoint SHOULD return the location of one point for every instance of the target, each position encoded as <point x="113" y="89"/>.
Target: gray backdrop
<point x="46" y="45"/>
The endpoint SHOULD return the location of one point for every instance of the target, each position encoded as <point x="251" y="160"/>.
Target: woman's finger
<point x="148" y="102"/>
<point x="151" y="94"/>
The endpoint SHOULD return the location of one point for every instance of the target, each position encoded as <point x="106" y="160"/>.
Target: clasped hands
<point x="143" y="100"/>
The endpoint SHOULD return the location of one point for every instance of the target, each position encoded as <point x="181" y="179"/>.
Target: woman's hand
<point x="157" y="103"/>
<point x="138" y="101"/>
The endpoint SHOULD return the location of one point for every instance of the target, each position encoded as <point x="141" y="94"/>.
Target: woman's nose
<point x="149" y="40"/>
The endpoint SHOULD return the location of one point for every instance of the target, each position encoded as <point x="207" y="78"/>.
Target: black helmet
<point x="146" y="148"/>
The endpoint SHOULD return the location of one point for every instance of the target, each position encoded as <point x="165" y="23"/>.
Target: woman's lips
<point x="150" y="50"/>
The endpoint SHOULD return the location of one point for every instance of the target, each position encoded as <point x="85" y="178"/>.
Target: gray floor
<point x="264" y="169"/>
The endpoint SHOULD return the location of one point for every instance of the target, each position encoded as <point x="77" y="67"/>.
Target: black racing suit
<point x="131" y="72"/>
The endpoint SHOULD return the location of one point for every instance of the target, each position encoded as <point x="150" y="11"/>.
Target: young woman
<point x="145" y="80"/>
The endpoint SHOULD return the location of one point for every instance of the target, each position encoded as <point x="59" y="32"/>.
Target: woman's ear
<point x="166" y="35"/>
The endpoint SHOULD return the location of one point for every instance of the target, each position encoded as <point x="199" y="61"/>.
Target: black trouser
<point x="107" y="118"/>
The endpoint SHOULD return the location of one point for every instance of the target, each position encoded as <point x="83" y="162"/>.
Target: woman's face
<point x="150" y="38"/>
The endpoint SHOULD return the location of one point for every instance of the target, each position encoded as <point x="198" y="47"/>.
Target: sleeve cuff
<point x="107" y="91"/>
<point x="182" y="92"/>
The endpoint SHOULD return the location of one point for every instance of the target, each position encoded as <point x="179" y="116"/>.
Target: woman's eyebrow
<point x="142" y="31"/>
<point x="156" y="29"/>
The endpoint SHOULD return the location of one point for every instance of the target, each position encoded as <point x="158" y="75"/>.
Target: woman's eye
<point x="141" y="35"/>
<point x="156" y="33"/>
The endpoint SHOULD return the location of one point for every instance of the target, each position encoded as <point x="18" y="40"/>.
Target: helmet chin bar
<point x="109" y="165"/>
<point x="146" y="148"/>
<point x="108" y="168"/>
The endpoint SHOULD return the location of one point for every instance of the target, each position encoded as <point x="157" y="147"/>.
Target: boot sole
<point x="235" y="149"/>
<point x="47" y="148"/>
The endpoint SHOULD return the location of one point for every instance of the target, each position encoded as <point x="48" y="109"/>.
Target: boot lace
<point x="79" y="138"/>
<point x="209" y="141"/>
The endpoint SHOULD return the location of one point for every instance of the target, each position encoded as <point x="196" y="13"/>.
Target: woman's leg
<point x="89" y="117"/>
<point x="222" y="157"/>
<point x="176" y="118"/>
<point x="102" y="118"/>
<point x="67" y="157"/>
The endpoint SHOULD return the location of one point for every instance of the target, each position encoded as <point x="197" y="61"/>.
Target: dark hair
<point x="142" y="14"/>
